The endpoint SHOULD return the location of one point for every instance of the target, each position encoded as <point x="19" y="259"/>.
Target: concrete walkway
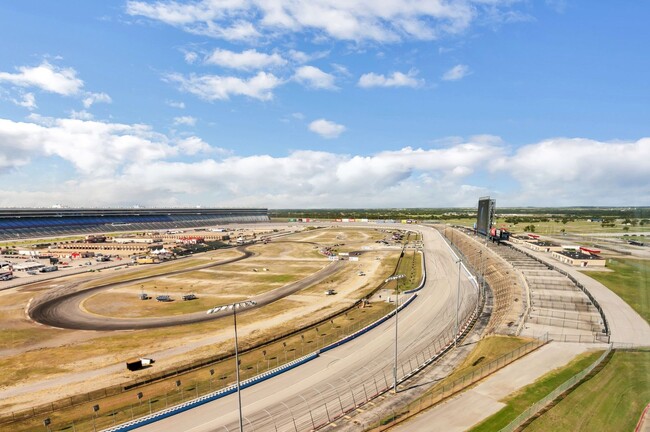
<point x="474" y="405"/>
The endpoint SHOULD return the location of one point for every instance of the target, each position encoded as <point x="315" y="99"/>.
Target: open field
<point x="579" y="226"/>
<point x="521" y="400"/>
<point x="630" y="280"/>
<point x="612" y="400"/>
<point x="38" y="354"/>
<point x="146" y="270"/>
<point x="201" y="381"/>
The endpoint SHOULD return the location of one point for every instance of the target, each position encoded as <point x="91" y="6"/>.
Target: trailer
<point x="137" y="364"/>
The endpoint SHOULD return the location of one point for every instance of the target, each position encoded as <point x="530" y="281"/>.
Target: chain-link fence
<point x="570" y="383"/>
<point x="432" y="398"/>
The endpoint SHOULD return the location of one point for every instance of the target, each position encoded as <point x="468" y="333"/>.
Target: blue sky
<point x="323" y="103"/>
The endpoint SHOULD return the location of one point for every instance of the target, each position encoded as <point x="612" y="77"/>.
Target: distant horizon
<point x="509" y="207"/>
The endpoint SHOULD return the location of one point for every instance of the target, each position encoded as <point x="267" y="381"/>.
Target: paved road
<point x="321" y="389"/>
<point x="64" y="311"/>
<point x="477" y="404"/>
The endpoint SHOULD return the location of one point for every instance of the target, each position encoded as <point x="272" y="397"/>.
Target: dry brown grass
<point x="98" y="351"/>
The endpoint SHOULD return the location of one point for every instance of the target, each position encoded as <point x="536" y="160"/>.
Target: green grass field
<point x="630" y="279"/>
<point x="612" y="400"/>
<point x="579" y="226"/>
<point x="521" y="400"/>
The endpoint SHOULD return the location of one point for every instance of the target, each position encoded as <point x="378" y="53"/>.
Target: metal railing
<point x="432" y="398"/>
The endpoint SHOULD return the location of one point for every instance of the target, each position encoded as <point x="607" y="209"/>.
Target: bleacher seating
<point x="22" y="223"/>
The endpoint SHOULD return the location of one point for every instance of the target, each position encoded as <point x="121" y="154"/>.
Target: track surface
<point x="64" y="311"/>
<point x="309" y="395"/>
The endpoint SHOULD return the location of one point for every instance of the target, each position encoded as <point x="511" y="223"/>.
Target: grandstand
<point x="28" y="223"/>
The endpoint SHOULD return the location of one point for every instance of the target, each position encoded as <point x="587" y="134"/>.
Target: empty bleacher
<point x="30" y="223"/>
<point x="557" y="305"/>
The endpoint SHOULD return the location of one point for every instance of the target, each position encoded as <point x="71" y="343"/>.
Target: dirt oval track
<point x="64" y="311"/>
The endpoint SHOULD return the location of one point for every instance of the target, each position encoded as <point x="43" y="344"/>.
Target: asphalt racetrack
<point x="63" y="310"/>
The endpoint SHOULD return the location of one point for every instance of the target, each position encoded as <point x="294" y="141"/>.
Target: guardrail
<point x="368" y="327"/>
<point x="361" y="389"/>
<point x="567" y="385"/>
<point x="168" y="412"/>
<point x="424" y="276"/>
<point x="209" y="397"/>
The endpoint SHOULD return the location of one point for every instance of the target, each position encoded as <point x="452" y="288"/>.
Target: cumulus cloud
<point x="92" y="98"/>
<point x="396" y="79"/>
<point x="47" y="77"/>
<point x="27" y="100"/>
<point x="176" y="104"/>
<point x="93" y="147"/>
<point x="217" y="87"/>
<point x="246" y="60"/>
<point x="562" y="171"/>
<point x="353" y="20"/>
<point x="132" y="163"/>
<point x="81" y="115"/>
<point x="191" y="57"/>
<point x="194" y="145"/>
<point x="456" y="73"/>
<point x="326" y="129"/>
<point x="185" y="120"/>
<point x="303" y="57"/>
<point x="315" y="78"/>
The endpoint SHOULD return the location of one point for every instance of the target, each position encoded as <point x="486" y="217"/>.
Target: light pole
<point x="459" y="262"/>
<point x="241" y="417"/>
<point x="234" y="307"/>
<point x="392" y="278"/>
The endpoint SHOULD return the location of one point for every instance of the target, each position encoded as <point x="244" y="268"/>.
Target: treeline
<point x="519" y="215"/>
<point x="412" y="213"/>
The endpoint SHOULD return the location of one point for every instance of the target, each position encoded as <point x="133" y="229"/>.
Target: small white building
<point x="28" y="266"/>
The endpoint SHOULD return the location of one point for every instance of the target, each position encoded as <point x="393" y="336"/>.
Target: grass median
<point x="630" y="280"/>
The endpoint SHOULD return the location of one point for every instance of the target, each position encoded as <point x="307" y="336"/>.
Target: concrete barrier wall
<point x="209" y="397"/>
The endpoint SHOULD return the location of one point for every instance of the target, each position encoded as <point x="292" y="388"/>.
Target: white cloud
<point x="576" y="171"/>
<point x="94" y="148"/>
<point x="341" y="70"/>
<point x="185" y="120"/>
<point x="81" y="115"/>
<point x="134" y="164"/>
<point x="315" y="78"/>
<point x="217" y="87"/>
<point x="176" y="104"/>
<point x="47" y="77"/>
<point x="396" y="79"/>
<point x="28" y="100"/>
<point x="92" y="98"/>
<point x="456" y="73"/>
<point x="194" y="145"/>
<point x="354" y="20"/>
<point x="303" y="57"/>
<point x="326" y="128"/>
<point x="247" y="60"/>
<point x="191" y="57"/>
